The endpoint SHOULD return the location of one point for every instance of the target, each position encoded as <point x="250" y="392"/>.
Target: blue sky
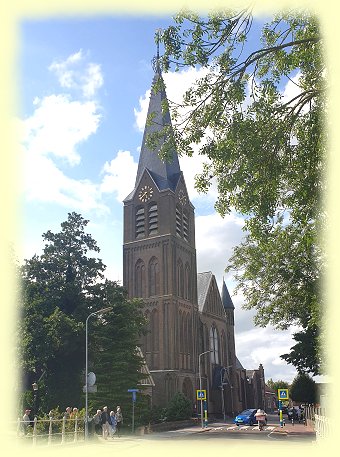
<point x="83" y="86"/>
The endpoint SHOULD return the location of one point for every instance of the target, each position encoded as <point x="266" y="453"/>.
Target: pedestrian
<point x="113" y="423"/>
<point x="119" y="420"/>
<point x="97" y="422"/>
<point x="68" y="412"/>
<point x="105" y="420"/>
<point x="298" y="413"/>
<point x="74" y="413"/>
<point x="260" y="416"/>
<point x="26" y="420"/>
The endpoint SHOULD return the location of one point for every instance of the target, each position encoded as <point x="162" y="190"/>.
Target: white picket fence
<point x="322" y="426"/>
<point x="316" y="417"/>
<point x="51" y="431"/>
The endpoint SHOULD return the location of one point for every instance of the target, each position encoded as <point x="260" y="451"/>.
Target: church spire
<point x="164" y="173"/>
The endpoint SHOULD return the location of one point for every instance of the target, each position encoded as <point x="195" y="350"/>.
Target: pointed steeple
<point x="226" y="300"/>
<point x="165" y="174"/>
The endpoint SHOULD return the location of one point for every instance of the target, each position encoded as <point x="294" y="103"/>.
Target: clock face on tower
<point x="145" y="193"/>
<point x="182" y="197"/>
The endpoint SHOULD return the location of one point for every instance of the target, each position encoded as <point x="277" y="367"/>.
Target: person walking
<point x="105" y="423"/>
<point x="260" y="416"/>
<point x="119" y="420"/>
<point x="26" y="420"/>
<point x="113" y="423"/>
<point x="97" y="422"/>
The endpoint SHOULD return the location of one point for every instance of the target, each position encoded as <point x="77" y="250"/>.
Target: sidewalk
<point x="296" y="429"/>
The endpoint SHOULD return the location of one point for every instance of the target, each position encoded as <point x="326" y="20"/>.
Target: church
<point x="190" y="343"/>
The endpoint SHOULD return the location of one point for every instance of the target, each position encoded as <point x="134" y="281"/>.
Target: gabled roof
<point x="148" y="380"/>
<point x="226" y="300"/>
<point x="203" y="282"/>
<point x="165" y="174"/>
<point x="238" y="365"/>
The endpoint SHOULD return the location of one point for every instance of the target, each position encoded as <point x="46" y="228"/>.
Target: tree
<point x="264" y="149"/>
<point x="303" y="389"/>
<point x="60" y="289"/>
<point x="114" y="356"/>
<point x="179" y="407"/>
<point x="275" y="385"/>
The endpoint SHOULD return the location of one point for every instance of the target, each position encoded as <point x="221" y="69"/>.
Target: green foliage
<point x="303" y="389"/>
<point x="60" y="289"/>
<point x="275" y="385"/>
<point x="179" y="408"/>
<point x="266" y="152"/>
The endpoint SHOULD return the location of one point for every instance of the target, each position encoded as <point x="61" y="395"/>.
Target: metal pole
<point x="101" y="311"/>
<point x="133" y="415"/>
<point x="222" y="393"/>
<point x="200" y="379"/>
<point x="86" y="379"/>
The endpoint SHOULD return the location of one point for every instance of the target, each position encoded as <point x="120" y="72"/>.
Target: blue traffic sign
<point x="283" y="394"/>
<point x="201" y="394"/>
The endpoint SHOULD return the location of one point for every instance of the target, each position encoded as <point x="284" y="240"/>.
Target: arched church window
<point x="140" y="222"/>
<point x="213" y="337"/>
<point x="180" y="279"/>
<point x="153" y="219"/>
<point x="187" y="288"/>
<point x="178" y="221"/>
<point x="140" y="282"/>
<point x="185" y="225"/>
<point x="154" y="282"/>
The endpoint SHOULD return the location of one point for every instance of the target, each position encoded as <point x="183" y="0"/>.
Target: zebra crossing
<point x="268" y="428"/>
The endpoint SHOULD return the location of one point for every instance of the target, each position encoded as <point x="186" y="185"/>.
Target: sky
<point x="84" y="86"/>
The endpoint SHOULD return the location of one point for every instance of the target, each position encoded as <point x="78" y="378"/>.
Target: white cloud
<point x="55" y="130"/>
<point x="265" y="345"/>
<point x="215" y="239"/>
<point x="44" y="182"/>
<point x="119" y="174"/>
<point x="58" y="125"/>
<point x="76" y="73"/>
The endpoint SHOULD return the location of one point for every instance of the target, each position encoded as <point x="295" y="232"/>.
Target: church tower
<point x="159" y="261"/>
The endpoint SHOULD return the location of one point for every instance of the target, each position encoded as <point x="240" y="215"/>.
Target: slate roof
<point x="203" y="282"/>
<point x="238" y="365"/>
<point x="165" y="174"/>
<point x="226" y="300"/>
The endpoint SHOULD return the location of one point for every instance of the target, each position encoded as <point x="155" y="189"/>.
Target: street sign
<point x="201" y="394"/>
<point x="90" y="389"/>
<point x="282" y="394"/>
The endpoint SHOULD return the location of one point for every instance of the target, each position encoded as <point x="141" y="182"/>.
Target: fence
<point x="316" y="417"/>
<point x="51" y="431"/>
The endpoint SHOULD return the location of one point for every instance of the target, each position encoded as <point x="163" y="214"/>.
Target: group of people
<point x="295" y="414"/>
<point x="107" y="424"/>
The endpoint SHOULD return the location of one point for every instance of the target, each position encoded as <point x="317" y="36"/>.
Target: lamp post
<point x="223" y="370"/>
<point x="200" y="379"/>
<point x="101" y="311"/>
<point x="35" y="391"/>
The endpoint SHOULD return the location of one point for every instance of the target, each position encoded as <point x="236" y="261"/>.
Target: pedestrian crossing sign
<point x="283" y="394"/>
<point x="201" y="394"/>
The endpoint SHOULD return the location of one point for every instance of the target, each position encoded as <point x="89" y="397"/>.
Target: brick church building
<point x="187" y="316"/>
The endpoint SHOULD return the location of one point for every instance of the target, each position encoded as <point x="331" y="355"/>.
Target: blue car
<point x="247" y="417"/>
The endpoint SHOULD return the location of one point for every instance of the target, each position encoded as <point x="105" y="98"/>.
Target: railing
<point x="322" y="426"/>
<point x="51" y="431"/>
<point x="316" y="417"/>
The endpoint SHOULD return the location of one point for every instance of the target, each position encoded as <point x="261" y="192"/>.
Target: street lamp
<point x="223" y="370"/>
<point x="200" y="378"/>
<point x="35" y="390"/>
<point x="101" y="311"/>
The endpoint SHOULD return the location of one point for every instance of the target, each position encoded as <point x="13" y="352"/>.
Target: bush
<point x="179" y="408"/>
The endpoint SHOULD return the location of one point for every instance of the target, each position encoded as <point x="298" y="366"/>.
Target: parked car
<point x="246" y="417"/>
